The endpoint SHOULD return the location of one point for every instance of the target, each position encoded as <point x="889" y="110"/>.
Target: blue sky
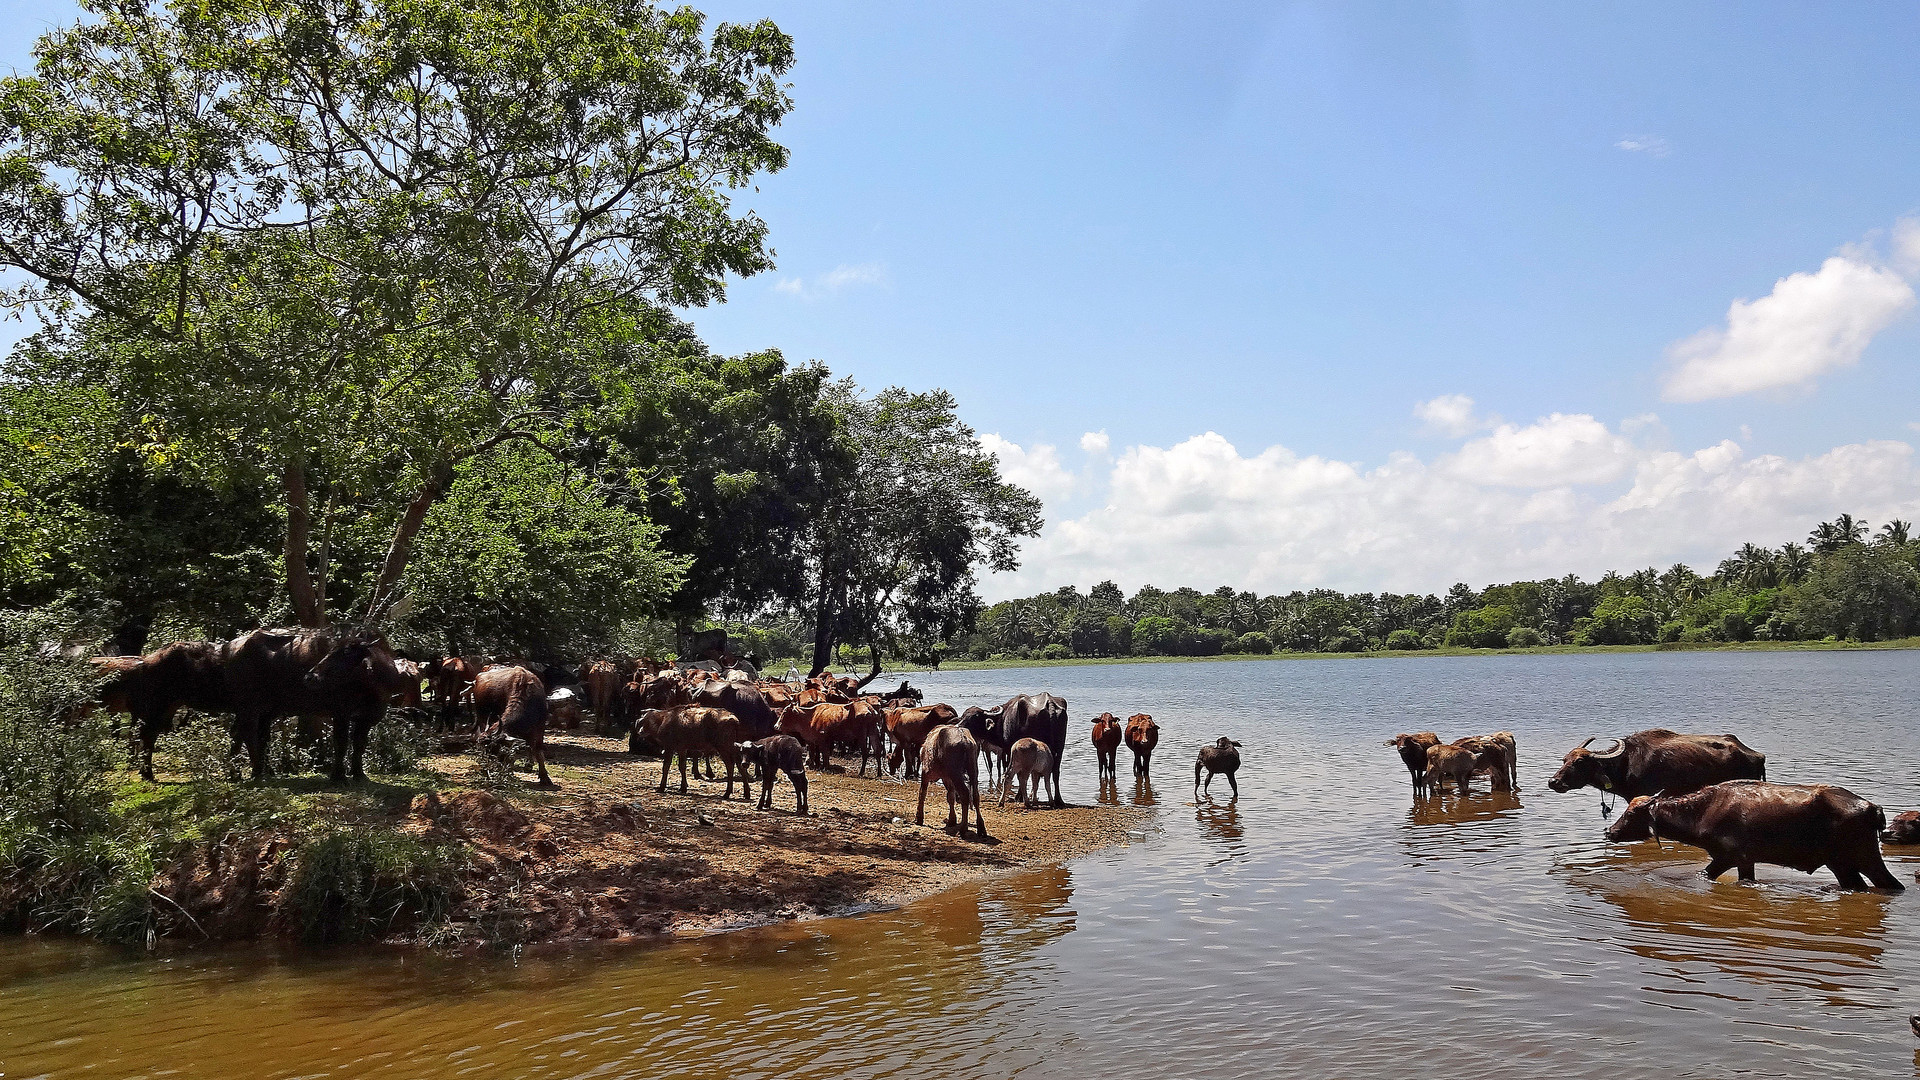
<point x="1289" y="225"/>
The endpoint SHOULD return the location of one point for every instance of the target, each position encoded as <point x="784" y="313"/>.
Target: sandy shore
<point x="608" y="857"/>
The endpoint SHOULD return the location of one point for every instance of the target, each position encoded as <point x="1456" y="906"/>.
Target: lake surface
<point x="1323" y="924"/>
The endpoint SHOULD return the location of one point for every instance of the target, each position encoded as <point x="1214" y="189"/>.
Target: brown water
<point x="1324" y="924"/>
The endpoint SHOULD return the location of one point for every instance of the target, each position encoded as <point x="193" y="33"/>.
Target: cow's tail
<point x="1196" y="773"/>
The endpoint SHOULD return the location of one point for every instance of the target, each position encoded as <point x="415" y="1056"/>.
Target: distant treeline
<point x="1846" y="582"/>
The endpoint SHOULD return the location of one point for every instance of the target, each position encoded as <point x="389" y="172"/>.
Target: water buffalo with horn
<point x="1743" y="822"/>
<point x="1656" y="761"/>
<point x="1036" y="716"/>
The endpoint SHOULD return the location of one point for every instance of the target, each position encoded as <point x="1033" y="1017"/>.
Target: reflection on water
<point x="1317" y="926"/>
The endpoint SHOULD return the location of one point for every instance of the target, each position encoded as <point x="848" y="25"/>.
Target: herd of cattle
<point x="1708" y="791"/>
<point x="685" y="712"/>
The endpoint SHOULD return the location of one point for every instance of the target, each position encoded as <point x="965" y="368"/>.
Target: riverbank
<point x="451" y="857"/>
<point x="1383" y="654"/>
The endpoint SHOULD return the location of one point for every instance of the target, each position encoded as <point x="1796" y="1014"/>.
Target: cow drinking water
<point x="1743" y="822"/>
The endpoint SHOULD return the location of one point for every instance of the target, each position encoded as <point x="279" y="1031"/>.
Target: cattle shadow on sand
<point x="569" y="752"/>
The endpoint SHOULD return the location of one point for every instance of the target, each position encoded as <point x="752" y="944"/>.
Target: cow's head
<point x="1583" y="767"/>
<point x="1635" y="822"/>
<point x="1226" y="743"/>
<point x="349" y="662"/>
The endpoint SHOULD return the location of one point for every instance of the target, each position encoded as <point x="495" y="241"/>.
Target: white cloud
<point x="1094" y="443"/>
<point x="1036" y="468"/>
<point x="1451" y="415"/>
<point x="1906" y="246"/>
<point x="1811" y="324"/>
<point x="841" y="277"/>
<point x="1557" y="450"/>
<point x="1651" y="145"/>
<point x="1201" y="513"/>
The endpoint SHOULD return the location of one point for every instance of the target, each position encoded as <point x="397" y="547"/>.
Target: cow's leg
<point x="253" y="732"/>
<point x="1746" y="871"/>
<point x="1877" y="872"/>
<point x="979" y="818"/>
<point x="951" y="796"/>
<point x="537" y="750"/>
<point x="920" y="815"/>
<point x="1054" y="774"/>
<point x="342" y="733"/>
<point x="150" y="725"/>
<point x="666" y="764"/>
<point x="683" y="772"/>
<point x="362" y="727"/>
<point x="800" y="804"/>
<point x="1236" y="787"/>
<point x="1716" y="868"/>
<point x="1848" y="877"/>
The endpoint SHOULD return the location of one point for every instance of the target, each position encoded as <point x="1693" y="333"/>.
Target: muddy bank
<point x="607" y="857"/>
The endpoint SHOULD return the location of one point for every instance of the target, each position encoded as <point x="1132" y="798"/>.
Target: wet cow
<point x="1658" y="761"/>
<point x="1142" y="736"/>
<point x="1413" y="754"/>
<point x="1222" y="758"/>
<point x="1107" y="734"/>
<point x="1028" y="761"/>
<point x="1743" y="822"/>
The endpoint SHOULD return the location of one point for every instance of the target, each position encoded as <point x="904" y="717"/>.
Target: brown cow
<point x="1494" y="755"/>
<point x="275" y="673"/>
<point x="1743" y="822"/>
<point x="696" y="729"/>
<point x="1222" y="757"/>
<point x="512" y="701"/>
<point x="1028" y="759"/>
<point x="908" y="730"/>
<point x="1904" y="828"/>
<point x="602" y="682"/>
<point x="1142" y="736"/>
<point x="820" y="726"/>
<point x="950" y="756"/>
<point x="1448" y="761"/>
<point x="777" y="754"/>
<point x="1106" y="744"/>
<point x="1413" y="754"/>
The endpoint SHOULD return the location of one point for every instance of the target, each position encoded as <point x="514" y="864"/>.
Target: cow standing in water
<point x="1413" y="754"/>
<point x="1107" y="734"/>
<point x="1222" y="758"/>
<point x="1142" y="736"/>
<point x="1743" y="822"/>
<point x="1656" y="761"/>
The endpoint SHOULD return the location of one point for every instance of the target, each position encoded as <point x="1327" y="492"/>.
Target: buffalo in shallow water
<point x="1222" y="758"/>
<point x="1743" y="822"/>
<point x="1656" y="761"/>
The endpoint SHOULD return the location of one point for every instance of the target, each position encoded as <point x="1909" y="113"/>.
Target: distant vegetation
<point x="1845" y="582"/>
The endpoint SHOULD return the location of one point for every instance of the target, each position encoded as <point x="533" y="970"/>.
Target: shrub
<point x="1053" y="651"/>
<point x="1525" y="637"/>
<point x="1672" y="629"/>
<point x="53" y="760"/>
<point x="355" y="884"/>
<point x="1346" y="639"/>
<point x="397" y="743"/>
<point x="1733" y="626"/>
<point x="1483" y="628"/>
<point x="1404" y="639"/>
<point x="1619" y="620"/>
<point x="1253" y="643"/>
<point x="202" y="747"/>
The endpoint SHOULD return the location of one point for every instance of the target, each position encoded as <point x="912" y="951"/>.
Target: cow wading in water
<point x="1658" y="762"/>
<point x="1743" y="822"/>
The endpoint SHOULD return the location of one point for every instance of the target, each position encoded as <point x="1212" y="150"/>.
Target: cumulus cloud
<point x="1551" y="452"/>
<point x="1651" y="145"/>
<point x="1451" y="415"/>
<point x="839" y="278"/>
<point x="1094" y="442"/>
<point x="1202" y="513"/>
<point x="1036" y="468"/>
<point x="1810" y="324"/>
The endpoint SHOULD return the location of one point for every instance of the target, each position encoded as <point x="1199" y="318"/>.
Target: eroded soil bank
<point x="608" y="857"/>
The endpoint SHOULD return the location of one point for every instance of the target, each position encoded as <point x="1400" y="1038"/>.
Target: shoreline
<point x="605" y="858"/>
<point x="1395" y="654"/>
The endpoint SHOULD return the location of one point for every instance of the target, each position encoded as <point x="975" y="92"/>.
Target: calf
<point x="950" y="756"/>
<point x="908" y="730"/>
<point x="1107" y="734"/>
<point x="1903" y="829"/>
<point x="693" y="729"/>
<point x="1448" y="761"/>
<point x="778" y="754"/>
<point x="1493" y="755"/>
<point x="1743" y="822"/>
<point x="1028" y="759"/>
<point x="1142" y="736"/>
<point x="1413" y="754"/>
<point x="512" y="701"/>
<point x="1222" y="757"/>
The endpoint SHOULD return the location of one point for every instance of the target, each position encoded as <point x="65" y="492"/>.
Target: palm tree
<point x="1895" y="532"/>
<point x="1829" y="536"/>
<point x="1795" y="563"/>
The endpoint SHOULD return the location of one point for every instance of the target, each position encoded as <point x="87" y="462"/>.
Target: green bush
<point x="397" y="743"/>
<point x="1346" y="639"/>
<point x="202" y="747"/>
<point x="1483" y="628"/>
<point x="54" y="755"/>
<point x="1054" y="651"/>
<point x="1525" y="637"/>
<point x="1672" y="629"/>
<point x="1404" y="639"/>
<point x="357" y="885"/>
<point x="1619" y="620"/>
<point x="1253" y="643"/>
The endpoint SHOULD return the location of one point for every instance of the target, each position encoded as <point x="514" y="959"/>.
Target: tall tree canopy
<point x="363" y="242"/>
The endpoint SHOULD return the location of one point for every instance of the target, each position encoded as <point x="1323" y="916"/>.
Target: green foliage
<point x="1053" y="651"/>
<point x="1404" y="639"/>
<point x="1483" y="628"/>
<point x="1862" y="592"/>
<point x="202" y="747"/>
<point x="53" y="753"/>
<point x="360" y="884"/>
<point x="1620" y="619"/>
<point x="1253" y="643"/>
<point x="523" y="557"/>
<point x="1525" y="637"/>
<point x="397" y="743"/>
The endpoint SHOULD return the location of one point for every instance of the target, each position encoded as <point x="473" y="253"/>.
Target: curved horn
<point x="1589" y="741"/>
<point x="1619" y="747"/>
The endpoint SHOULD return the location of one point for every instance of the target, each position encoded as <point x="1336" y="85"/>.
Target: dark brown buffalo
<point x="275" y="673"/>
<point x="1032" y="716"/>
<point x="745" y="702"/>
<point x="1413" y="754"/>
<point x="774" y="755"/>
<point x="1657" y="761"/>
<point x="695" y="729"/>
<point x="1903" y="828"/>
<point x="1107" y="734"/>
<point x="512" y="702"/>
<point x="1223" y="757"/>
<point x="151" y="689"/>
<point x="1743" y="822"/>
<point x="1142" y="736"/>
<point x="950" y="756"/>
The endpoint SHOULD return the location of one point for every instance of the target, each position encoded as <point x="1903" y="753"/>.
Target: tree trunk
<point x="822" y="626"/>
<point x="306" y="604"/>
<point x="401" y="549"/>
<point x="873" y="651"/>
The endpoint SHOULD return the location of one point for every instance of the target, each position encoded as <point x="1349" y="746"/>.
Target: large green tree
<point x="365" y="242"/>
